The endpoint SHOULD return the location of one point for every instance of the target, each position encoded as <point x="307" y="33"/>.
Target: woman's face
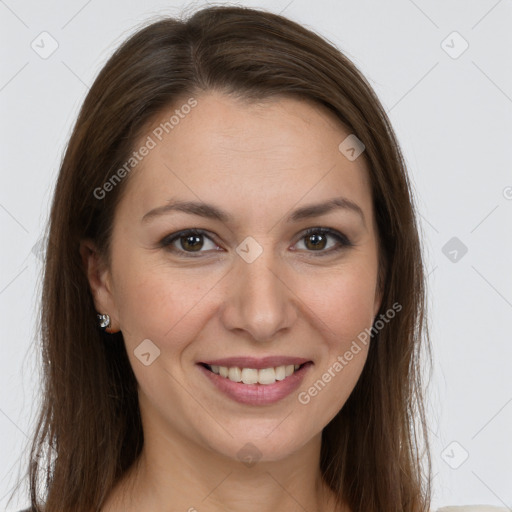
<point x="253" y="284"/>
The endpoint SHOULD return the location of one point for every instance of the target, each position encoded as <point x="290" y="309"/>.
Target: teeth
<point x="267" y="376"/>
<point x="280" y="373"/>
<point x="235" y="374"/>
<point x="249" y="376"/>
<point x="253" y="376"/>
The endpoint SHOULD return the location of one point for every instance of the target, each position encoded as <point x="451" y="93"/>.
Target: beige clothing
<point x="474" y="508"/>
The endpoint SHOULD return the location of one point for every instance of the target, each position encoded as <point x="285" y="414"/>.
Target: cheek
<point x="346" y="311"/>
<point x="355" y="301"/>
<point x="342" y="299"/>
<point x="156" y="302"/>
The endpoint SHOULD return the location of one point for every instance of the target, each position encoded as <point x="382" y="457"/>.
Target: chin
<point x="268" y="443"/>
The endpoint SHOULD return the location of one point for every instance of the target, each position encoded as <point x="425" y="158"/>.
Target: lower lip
<point x="258" y="394"/>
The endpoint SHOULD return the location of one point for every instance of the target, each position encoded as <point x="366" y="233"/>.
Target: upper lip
<point x="256" y="363"/>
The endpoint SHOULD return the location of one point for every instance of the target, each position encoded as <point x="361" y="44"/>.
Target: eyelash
<point x="342" y="240"/>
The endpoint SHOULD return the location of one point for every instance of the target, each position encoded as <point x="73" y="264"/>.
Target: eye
<point x="192" y="241"/>
<point x="316" y="238"/>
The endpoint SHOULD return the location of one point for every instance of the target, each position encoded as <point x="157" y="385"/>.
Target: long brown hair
<point x="89" y="430"/>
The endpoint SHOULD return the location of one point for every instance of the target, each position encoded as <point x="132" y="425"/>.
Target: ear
<point x="100" y="282"/>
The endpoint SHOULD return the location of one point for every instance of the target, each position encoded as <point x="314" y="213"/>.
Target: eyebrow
<point x="210" y="211"/>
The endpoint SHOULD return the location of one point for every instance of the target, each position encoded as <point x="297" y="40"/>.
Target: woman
<point x="234" y="296"/>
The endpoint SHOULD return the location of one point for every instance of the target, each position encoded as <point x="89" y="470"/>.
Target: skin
<point x="258" y="162"/>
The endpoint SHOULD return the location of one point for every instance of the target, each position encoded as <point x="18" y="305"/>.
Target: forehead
<point x="281" y="151"/>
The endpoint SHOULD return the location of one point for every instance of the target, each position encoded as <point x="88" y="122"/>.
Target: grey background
<point x="452" y="113"/>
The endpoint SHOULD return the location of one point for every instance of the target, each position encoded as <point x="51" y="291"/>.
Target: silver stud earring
<point x="103" y="320"/>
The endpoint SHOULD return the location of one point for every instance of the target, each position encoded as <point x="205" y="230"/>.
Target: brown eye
<point x="190" y="241"/>
<point x="316" y="240"/>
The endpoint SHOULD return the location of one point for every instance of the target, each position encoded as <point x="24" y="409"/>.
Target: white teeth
<point x="235" y="374"/>
<point x="254" y="376"/>
<point x="280" y="373"/>
<point x="267" y="376"/>
<point x="249" y="376"/>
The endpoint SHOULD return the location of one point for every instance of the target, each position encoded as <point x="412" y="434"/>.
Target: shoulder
<point x="472" y="508"/>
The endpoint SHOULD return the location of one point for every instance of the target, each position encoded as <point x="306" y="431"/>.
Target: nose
<point x="259" y="300"/>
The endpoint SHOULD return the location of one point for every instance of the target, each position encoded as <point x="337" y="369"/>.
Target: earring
<point x="103" y="320"/>
<point x="104" y="323"/>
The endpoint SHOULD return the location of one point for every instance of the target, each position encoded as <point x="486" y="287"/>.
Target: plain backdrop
<point x="443" y="71"/>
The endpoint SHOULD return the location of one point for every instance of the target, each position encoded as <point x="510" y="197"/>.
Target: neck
<point x="179" y="475"/>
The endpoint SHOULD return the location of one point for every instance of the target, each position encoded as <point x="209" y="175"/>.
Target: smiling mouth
<point x="263" y="376"/>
